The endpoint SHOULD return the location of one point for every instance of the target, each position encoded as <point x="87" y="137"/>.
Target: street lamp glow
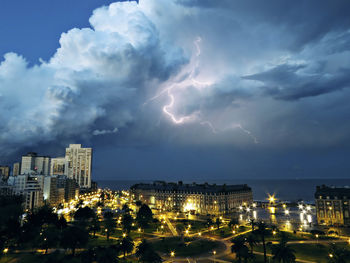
<point x="214" y="252"/>
<point x="124" y="235"/>
<point x="172" y="254"/>
<point x="286" y="212"/>
<point x="199" y="234"/>
<point x="272" y="198"/>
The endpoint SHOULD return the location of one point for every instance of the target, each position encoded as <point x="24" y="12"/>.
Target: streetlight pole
<point x="214" y="253"/>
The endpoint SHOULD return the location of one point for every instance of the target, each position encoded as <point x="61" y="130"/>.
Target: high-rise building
<point x="34" y="163"/>
<point x="79" y="164"/>
<point x="4" y="172"/>
<point x="16" y="169"/>
<point x="59" y="166"/>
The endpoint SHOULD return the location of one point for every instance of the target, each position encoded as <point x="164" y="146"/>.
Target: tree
<point x="144" y="216"/>
<point x="233" y="222"/>
<point x="107" y="255"/>
<point x="239" y="248"/>
<point x="74" y="237"/>
<point x="109" y="223"/>
<point x="252" y="223"/>
<point x="126" y="245"/>
<point x="62" y="223"/>
<point x="282" y="252"/>
<point x="209" y="222"/>
<point x="252" y="241"/>
<point x="138" y="203"/>
<point x="94" y="225"/>
<point x="218" y="222"/>
<point x="262" y="232"/>
<point x="338" y="254"/>
<point x="146" y="254"/>
<point x="127" y="222"/>
<point x="84" y="214"/>
<point x="49" y="237"/>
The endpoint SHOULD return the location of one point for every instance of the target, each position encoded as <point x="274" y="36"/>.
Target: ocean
<point x="286" y="189"/>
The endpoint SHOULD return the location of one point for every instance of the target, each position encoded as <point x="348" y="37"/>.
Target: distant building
<point x="79" y="164"/>
<point x="32" y="162"/>
<point x="59" y="189"/>
<point x="59" y="166"/>
<point x="196" y="198"/>
<point x="4" y="172"/>
<point x="30" y="188"/>
<point x="332" y="205"/>
<point x="16" y="169"/>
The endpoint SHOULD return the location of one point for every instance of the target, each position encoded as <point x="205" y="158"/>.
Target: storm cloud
<point x="246" y="74"/>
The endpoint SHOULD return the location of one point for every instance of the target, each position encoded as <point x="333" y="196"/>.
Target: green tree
<point x="262" y="232"/>
<point x="239" y="248"/>
<point x="252" y="223"/>
<point x="107" y="255"/>
<point x="126" y="245"/>
<point x="233" y="222"/>
<point x="127" y="222"/>
<point x="209" y="222"/>
<point x="94" y="225"/>
<point x="218" y="222"/>
<point x="74" y="237"/>
<point x="146" y="254"/>
<point x="144" y="216"/>
<point x="49" y="237"/>
<point x="84" y="214"/>
<point x="252" y="241"/>
<point x="109" y="223"/>
<point x="282" y="252"/>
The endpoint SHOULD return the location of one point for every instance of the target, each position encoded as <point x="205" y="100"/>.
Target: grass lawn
<point x="191" y="246"/>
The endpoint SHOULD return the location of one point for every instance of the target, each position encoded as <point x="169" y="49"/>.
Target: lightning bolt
<point x="183" y="81"/>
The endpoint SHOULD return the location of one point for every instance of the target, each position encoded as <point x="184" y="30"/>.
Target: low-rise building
<point x="197" y="198"/>
<point x="4" y="172"/>
<point x="332" y="205"/>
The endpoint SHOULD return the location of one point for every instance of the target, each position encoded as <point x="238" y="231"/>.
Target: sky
<point x="179" y="89"/>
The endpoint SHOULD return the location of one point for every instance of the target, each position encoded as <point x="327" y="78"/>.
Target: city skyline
<point x="160" y="91"/>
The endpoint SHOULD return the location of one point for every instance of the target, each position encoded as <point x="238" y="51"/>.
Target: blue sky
<point x="179" y="89"/>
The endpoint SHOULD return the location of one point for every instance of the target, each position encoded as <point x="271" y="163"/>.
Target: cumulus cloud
<point x="234" y="72"/>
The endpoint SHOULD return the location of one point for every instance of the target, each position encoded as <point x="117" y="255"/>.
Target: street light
<point x="214" y="253"/>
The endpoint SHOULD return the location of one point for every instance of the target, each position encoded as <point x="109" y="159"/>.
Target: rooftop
<point x="207" y="188"/>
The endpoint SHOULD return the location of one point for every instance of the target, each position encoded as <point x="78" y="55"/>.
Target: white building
<point x="59" y="166"/>
<point x="79" y="164"/>
<point x="32" y="162"/>
<point x="31" y="189"/>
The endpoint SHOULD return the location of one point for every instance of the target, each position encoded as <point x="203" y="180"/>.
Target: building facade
<point x="196" y="198"/>
<point x="16" y="169"/>
<point x="32" y="162"/>
<point x="79" y="164"/>
<point x="59" y="166"/>
<point x="4" y="172"/>
<point x="332" y="205"/>
<point x="30" y="188"/>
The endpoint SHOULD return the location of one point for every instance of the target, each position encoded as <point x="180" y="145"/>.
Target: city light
<point x="272" y="198"/>
<point x="172" y="254"/>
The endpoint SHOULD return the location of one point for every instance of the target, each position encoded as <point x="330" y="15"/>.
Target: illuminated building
<point x="79" y="164"/>
<point x="16" y="169"/>
<point x="332" y="205"/>
<point x="196" y="198"/>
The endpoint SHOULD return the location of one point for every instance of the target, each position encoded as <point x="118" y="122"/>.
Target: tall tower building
<point x="79" y="164"/>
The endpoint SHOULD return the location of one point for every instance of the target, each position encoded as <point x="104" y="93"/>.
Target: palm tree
<point x="338" y="254"/>
<point x="252" y="223"/>
<point x="252" y="241"/>
<point x="282" y="252"/>
<point x="262" y="232"/>
<point x="146" y="254"/>
<point x="144" y="216"/>
<point x="239" y="248"/>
